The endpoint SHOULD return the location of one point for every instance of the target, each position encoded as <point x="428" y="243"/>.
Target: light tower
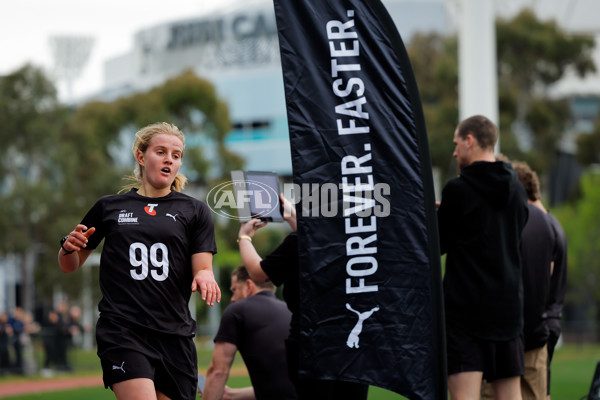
<point x="70" y="54"/>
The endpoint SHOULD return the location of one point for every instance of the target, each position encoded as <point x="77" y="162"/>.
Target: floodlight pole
<point x="70" y="54"/>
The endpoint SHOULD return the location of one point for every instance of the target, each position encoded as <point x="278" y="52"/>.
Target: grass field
<point x="573" y="369"/>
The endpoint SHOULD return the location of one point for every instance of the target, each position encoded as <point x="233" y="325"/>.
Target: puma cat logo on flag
<point x="353" y="336"/>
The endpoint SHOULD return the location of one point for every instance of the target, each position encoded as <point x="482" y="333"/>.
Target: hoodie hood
<point x="496" y="181"/>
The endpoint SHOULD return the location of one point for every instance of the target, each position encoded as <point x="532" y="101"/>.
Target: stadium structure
<point x="238" y="51"/>
<point x="236" y="48"/>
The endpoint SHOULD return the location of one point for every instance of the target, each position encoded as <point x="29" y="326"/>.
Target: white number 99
<point x="138" y="258"/>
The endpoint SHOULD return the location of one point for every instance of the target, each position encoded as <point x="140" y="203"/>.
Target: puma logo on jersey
<point x="114" y="367"/>
<point x="150" y="209"/>
<point x="172" y="216"/>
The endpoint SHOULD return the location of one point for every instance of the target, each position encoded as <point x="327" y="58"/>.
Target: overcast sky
<point x="27" y="25"/>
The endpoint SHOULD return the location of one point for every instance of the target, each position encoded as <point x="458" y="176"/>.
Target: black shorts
<point x="128" y="353"/>
<point x="497" y="360"/>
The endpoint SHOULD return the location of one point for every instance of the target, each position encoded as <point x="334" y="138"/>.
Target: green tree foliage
<point x="581" y="223"/>
<point x="588" y="146"/>
<point x="32" y="122"/>
<point x="543" y="48"/>
<point x="434" y="61"/>
<point x="532" y="55"/>
<point x="188" y="101"/>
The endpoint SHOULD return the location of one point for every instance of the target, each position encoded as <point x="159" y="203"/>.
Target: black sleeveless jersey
<point x="145" y="267"/>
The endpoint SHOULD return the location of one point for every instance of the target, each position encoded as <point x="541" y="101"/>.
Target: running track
<point x="20" y="387"/>
<point x="8" y="389"/>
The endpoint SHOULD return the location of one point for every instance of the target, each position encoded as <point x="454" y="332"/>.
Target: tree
<point x="32" y="122"/>
<point x="580" y="223"/>
<point x="435" y="63"/>
<point x="532" y="55"/>
<point x="588" y="146"/>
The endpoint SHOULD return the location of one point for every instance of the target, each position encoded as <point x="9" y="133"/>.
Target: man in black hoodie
<point x="481" y="216"/>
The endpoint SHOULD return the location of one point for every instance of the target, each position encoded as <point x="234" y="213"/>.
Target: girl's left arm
<point x="204" y="279"/>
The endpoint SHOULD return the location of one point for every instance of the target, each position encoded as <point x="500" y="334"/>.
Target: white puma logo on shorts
<point x="114" y="367"/>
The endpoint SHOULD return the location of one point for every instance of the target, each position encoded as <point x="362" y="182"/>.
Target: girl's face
<point x="161" y="161"/>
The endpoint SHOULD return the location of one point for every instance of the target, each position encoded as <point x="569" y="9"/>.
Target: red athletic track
<point x="16" y="388"/>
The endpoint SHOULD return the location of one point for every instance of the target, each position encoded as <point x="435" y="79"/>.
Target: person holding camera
<point x="282" y="268"/>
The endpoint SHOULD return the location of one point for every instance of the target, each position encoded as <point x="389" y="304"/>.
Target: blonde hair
<point x="142" y="141"/>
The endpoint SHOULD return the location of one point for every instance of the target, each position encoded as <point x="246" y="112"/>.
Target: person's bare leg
<point x="465" y="385"/>
<point x="135" y="389"/>
<point x="508" y="388"/>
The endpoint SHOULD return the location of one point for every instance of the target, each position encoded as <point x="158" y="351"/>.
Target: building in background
<point x="237" y="50"/>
